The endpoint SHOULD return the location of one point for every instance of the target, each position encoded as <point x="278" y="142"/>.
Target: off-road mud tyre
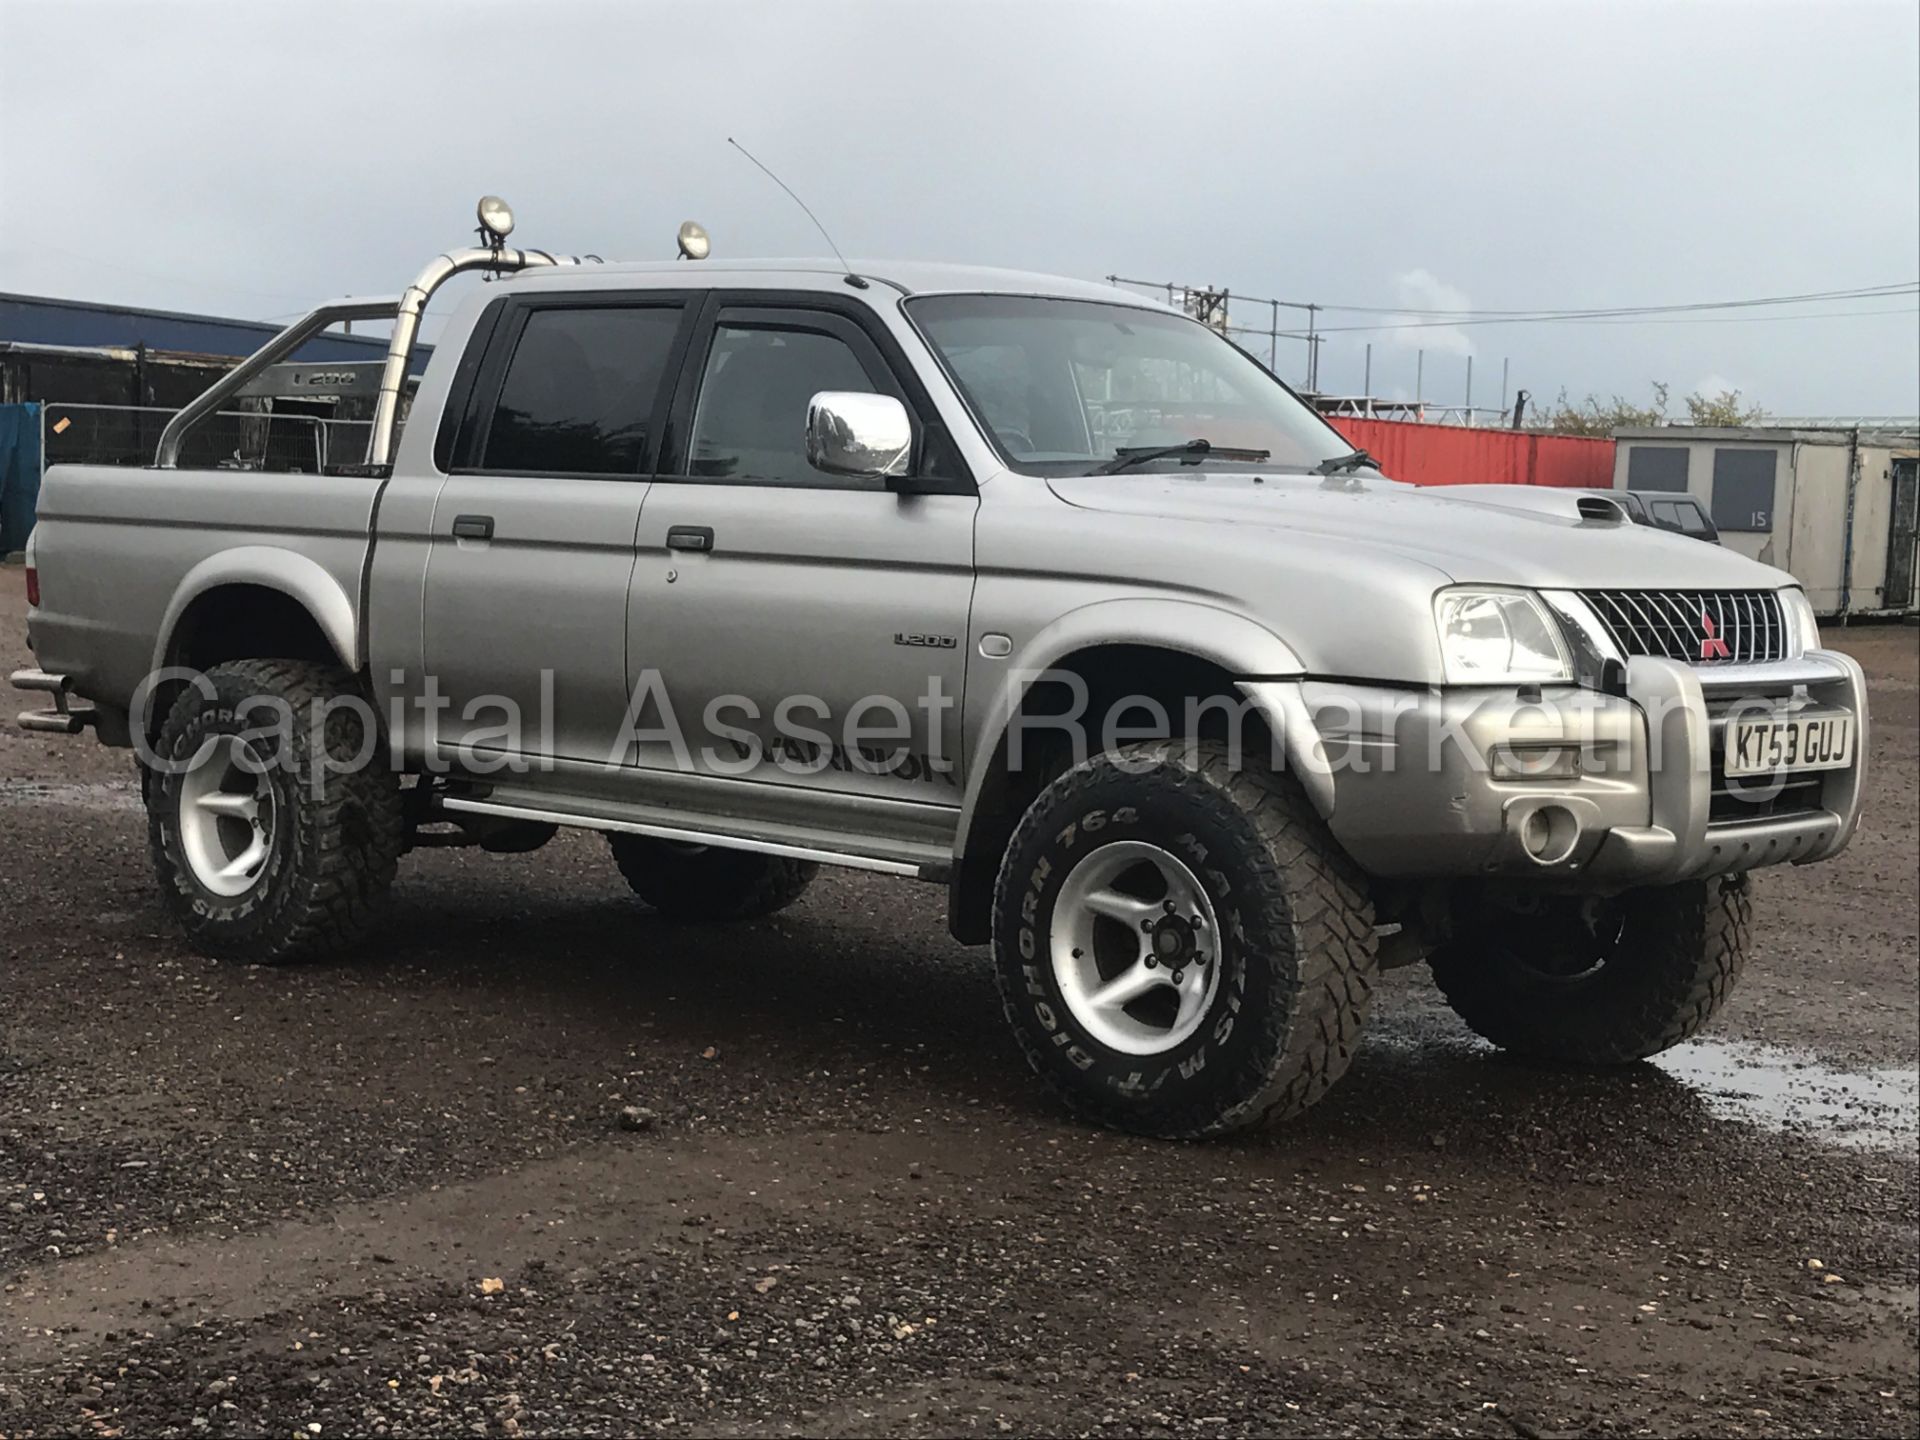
<point x="1296" y="950"/>
<point x="706" y="882"/>
<point x="1667" y="959"/>
<point x="336" y="831"/>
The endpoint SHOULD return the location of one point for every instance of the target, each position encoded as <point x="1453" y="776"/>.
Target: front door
<point x="806" y="631"/>
<point x="525" y="607"/>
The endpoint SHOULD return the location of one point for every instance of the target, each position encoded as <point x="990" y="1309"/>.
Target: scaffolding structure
<point x="1211" y="308"/>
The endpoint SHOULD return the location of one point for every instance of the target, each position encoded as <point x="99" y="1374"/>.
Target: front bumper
<point x="1406" y="781"/>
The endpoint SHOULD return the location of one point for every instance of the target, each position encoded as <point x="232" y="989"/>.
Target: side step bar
<point x="884" y="864"/>
<point x="63" y="719"/>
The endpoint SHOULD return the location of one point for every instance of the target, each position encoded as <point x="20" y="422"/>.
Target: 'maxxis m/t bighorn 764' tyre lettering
<point x="1181" y="948"/>
<point x="1585" y="980"/>
<point x="707" y="882"/>
<point x="269" y="848"/>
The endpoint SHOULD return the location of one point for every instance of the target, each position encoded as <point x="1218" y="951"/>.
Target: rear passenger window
<point x="1693" y="520"/>
<point x="580" y="391"/>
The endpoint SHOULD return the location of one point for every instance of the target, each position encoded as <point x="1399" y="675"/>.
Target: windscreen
<point x="1067" y="386"/>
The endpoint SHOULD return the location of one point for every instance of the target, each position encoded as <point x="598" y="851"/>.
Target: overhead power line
<point x="1673" y="315"/>
<point x="1414" y="317"/>
<point x="1747" y="319"/>
<point x="1862" y="292"/>
<point x="1623" y="320"/>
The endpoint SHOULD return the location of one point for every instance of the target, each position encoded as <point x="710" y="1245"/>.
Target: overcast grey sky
<point x="252" y="158"/>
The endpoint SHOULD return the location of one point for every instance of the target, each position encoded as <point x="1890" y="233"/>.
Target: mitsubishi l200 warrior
<point x="1024" y="586"/>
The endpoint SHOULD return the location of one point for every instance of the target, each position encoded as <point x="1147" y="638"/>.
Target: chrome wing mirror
<point x="862" y="435"/>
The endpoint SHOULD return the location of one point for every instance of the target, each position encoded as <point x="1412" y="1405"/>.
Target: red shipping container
<point x="1458" y="455"/>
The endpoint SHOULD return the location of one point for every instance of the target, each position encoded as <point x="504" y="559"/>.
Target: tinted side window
<point x="580" y="391"/>
<point x="1693" y="520"/>
<point x="751" y="419"/>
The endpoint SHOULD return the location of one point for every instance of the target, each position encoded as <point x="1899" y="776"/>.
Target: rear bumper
<point x="1408" y="782"/>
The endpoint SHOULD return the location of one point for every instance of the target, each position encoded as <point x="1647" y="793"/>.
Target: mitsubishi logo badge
<point x="1712" y="647"/>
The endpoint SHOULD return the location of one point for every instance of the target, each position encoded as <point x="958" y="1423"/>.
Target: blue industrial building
<point x="120" y="369"/>
<point x="43" y="320"/>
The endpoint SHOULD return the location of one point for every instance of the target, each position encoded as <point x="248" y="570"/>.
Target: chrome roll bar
<point x="406" y="327"/>
<point x="404" y="310"/>
<point x="167" y="457"/>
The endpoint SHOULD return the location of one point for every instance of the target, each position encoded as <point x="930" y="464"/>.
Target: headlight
<point x="1798" y="611"/>
<point x="1498" y="637"/>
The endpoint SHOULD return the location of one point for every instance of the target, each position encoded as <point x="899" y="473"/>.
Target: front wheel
<point x="1181" y="947"/>
<point x="1595" y="981"/>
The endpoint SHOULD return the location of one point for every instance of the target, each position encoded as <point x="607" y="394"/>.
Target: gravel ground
<point x="396" y="1195"/>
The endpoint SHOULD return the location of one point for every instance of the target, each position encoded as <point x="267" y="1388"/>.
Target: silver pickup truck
<point x="1019" y="585"/>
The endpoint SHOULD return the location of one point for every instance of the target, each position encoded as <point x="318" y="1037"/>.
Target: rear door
<point x="765" y="588"/>
<point x="533" y="532"/>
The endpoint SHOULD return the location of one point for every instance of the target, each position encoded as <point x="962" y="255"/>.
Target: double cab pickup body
<point x="1025" y="586"/>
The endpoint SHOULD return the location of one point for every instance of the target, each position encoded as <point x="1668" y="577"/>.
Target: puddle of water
<point x="1788" y="1090"/>
<point x="99" y="795"/>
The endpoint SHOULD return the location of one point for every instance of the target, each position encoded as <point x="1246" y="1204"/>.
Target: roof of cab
<point x="910" y="277"/>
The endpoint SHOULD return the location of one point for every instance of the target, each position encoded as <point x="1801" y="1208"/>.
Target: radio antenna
<point x="852" y="279"/>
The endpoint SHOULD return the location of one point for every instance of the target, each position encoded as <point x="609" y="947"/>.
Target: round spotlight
<point x="496" y="216"/>
<point x="693" y="241"/>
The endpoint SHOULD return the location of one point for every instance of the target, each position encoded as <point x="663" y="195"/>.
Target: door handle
<point x="690" y="537"/>
<point x="473" y="527"/>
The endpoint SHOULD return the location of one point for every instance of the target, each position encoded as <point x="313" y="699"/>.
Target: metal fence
<point x="244" y="439"/>
<point x="1422" y="412"/>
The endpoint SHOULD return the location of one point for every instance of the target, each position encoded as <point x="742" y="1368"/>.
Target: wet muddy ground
<point x="394" y="1195"/>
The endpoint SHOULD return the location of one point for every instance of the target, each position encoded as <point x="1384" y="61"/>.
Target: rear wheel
<point x="1591" y="980"/>
<point x="272" y="843"/>
<point x="705" y="882"/>
<point x="1182" y="948"/>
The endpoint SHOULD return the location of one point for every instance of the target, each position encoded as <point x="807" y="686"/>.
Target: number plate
<point x="1768" y="744"/>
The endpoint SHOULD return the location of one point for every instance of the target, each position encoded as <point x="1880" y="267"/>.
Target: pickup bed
<point x="1020" y="585"/>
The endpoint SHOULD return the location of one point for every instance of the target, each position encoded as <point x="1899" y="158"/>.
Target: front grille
<point x="1700" y="627"/>
<point x="1762" y="797"/>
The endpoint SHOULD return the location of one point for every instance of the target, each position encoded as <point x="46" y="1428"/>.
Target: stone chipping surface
<point x="537" y="1162"/>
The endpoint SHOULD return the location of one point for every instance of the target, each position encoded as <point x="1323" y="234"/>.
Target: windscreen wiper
<point x="1191" y="452"/>
<point x="1352" y="460"/>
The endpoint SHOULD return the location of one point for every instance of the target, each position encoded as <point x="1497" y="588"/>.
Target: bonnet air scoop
<point x="1595" y="507"/>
